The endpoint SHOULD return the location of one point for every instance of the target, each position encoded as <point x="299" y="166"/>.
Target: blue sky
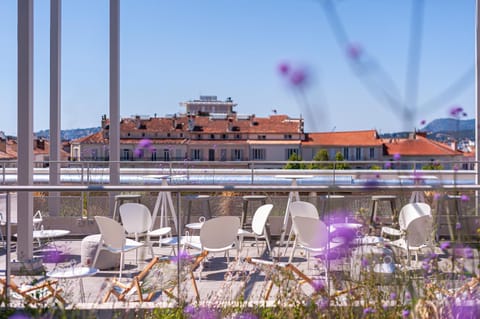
<point x="173" y="51"/>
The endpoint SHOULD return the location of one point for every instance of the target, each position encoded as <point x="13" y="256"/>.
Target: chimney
<point x="3" y="145"/>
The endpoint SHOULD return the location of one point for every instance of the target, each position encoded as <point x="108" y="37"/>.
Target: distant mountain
<point x="71" y="134"/>
<point x="449" y="125"/>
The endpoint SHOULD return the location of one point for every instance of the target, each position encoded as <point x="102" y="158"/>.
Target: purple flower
<point x="246" y="315"/>
<point x="284" y="68"/>
<point x="368" y="310"/>
<point x="189" y="310"/>
<point x="138" y="152"/>
<point x="458" y="226"/>
<point x="364" y="262"/>
<point x="19" y="315"/>
<point x="354" y="51"/>
<point x="456" y="111"/>
<point x="423" y="122"/>
<point x="436" y="196"/>
<point x="405" y="313"/>
<point x="388" y="165"/>
<point x="145" y="143"/>
<point x="445" y="245"/>
<point x="318" y="285"/>
<point x="396" y="156"/>
<point x="298" y="77"/>
<point x="205" y="313"/>
<point x="393" y="296"/>
<point x="183" y="255"/>
<point x="464" y="198"/>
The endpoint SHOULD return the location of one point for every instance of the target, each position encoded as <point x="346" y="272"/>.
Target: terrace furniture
<point x="247" y="200"/>
<point x="376" y="199"/>
<point x="300" y="208"/>
<point x="36" y="295"/>
<point x="139" y="285"/>
<point x="218" y="234"/>
<point x="137" y="220"/>
<point x="197" y="198"/>
<point x="73" y="272"/>
<point x="312" y="235"/>
<point x="259" y="227"/>
<point x="124" y="198"/>
<point x="113" y="239"/>
<point x="88" y="250"/>
<point x="415" y="228"/>
<point x="329" y="198"/>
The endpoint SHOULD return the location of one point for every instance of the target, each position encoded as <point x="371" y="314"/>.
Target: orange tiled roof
<point x="351" y="138"/>
<point x="418" y="146"/>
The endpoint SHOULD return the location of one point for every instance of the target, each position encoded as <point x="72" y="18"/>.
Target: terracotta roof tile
<point x="352" y="138"/>
<point x="418" y="146"/>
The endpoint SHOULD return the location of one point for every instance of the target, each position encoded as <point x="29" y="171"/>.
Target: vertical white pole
<point x="114" y="131"/>
<point x="55" y="103"/>
<point x="477" y="103"/>
<point x="25" y="128"/>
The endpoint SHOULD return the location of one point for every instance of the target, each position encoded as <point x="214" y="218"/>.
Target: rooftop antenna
<point x="333" y="129"/>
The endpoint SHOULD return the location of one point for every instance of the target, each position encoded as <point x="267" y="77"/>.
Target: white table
<point x="184" y="241"/>
<point x="47" y="234"/>
<point x="73" y="273"/>
<point x="292" y="196"/>
<point x="417" y="196"/>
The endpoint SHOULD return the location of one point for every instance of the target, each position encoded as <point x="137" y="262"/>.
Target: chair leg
<point x="121" y="264"/>
<point x="293" y="250"/>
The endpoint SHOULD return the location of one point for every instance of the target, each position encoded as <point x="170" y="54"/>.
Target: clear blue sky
<point x="173" y="51"/>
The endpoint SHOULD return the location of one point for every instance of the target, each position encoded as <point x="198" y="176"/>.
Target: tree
<point x="293" y="162"/>
<point x="339" y="158"/>
<point x="321" y="156"/>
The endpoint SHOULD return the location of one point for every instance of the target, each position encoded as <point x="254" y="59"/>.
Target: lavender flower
<point x="393" y="295"/>
<point x="464" y="198"/>
<point x="298" y="77"/>
<point x="388" y="165"/>
<point x="396" y="156"/>
<point x="246" y="315"/>
<point x="354" y="51"/>
<point x="423" y="122"/>
<point x="445" y="245"/>
<point x="284" y="68"/>
<point x="19" y="315"/>
<point x="405" y="313"/>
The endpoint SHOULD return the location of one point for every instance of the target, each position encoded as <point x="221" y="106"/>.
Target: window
<point x="358" y="153"/>
<point x="126" y="154"/>
<point x="94" y="154"/>
<point x="224" y="136"/>
<point x="287" y="136"/>
<point x="154" y="154"/>
<point x="237" y="136"/>
<point x="262" y="137"/>
<point x="259" y="154"/>
<point x="166" y="154"/>
<point x="291" y="151"/>
<point x="345" y="153"/>
<point x="236" y="155"/>
<point x="223" y="154"/>
<point x="199" y="136"/>
<point x="212" y="136"/>
<point x="372" y="153"/>
<point x="196" y="155"/>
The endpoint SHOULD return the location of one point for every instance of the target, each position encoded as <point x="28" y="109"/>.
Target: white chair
<point x="259" y="229"/>
<point x="300" y="208"/>
<point x="312" y="235"/>
<point x="218" y="234"/>
<point x="113" y="238"/>
<point x="415" y="222"/>
<point x="137" y="220"/>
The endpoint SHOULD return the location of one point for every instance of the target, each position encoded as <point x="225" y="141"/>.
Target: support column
<point x="477" y="103"/>
<point x="55" y="103"/>
<point x="25" y="129"/>
<point x="114" y="131"/>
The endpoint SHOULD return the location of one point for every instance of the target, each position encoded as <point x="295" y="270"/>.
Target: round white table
<point x="73" y="273"/>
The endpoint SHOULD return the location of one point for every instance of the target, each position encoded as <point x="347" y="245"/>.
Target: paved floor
<point x="218" y="281"/>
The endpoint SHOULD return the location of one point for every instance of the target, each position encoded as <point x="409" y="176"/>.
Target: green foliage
<point x="433" y="166"/>
<point x="375" y="167"/>
<point x="295" y="162"/>
<point x="339" y="158"/>
<point x="321" y="156"/>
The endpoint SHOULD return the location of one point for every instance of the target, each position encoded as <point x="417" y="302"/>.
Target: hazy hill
<point x="71" y="134"/>
<point x="448" y="125"/>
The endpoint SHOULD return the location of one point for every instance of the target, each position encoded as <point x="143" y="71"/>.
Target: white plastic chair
<point x="137" y="220"/>
<point x="312" y="235"/>
<point x="113" y="238"/>
<point x="300" y="208"/>
<point x="415" y="227"/>
<point x="218" y="234"/>
<point x="259" y="229"/>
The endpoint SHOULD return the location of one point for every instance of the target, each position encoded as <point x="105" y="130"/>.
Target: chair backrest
<point x="304" y="209"/>
<point x="113" y="234"/>
<point x="219" y="232"/>
<point x="260" y="218"/>
<point x="310" y="232"/>
<point x="136" y="218"/>
<point x="13" y="207"/>
<point x="416" y="220"/>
